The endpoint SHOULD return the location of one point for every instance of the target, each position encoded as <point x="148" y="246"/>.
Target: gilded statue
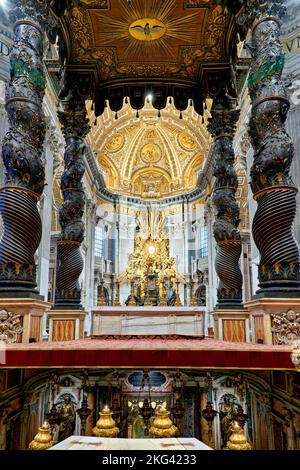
<point x="138" y="425"/>
<point x="66" y="419"/>
<point x="226" y="417"/>
<point x="240" y="416"/>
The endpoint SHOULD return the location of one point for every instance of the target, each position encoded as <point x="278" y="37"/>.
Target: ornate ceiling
<point x="179" y="48"/>
<point x="148" y="156"/>
<point x="147" y="39"/>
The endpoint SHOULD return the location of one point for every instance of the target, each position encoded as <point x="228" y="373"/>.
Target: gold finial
<point x="162" y="425"/>
<point x="43" y="439"/>
<point x="106" y="425"/>
<point x="237" y="440"/>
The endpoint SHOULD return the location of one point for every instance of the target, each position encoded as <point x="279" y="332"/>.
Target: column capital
<point x="35" y="12"/>
<point x="256" y="10"/>
<point x="224" y="116"/>
<point x="73" y="116"/>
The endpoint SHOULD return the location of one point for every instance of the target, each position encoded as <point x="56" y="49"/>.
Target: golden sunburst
<point x="145" y="27"/>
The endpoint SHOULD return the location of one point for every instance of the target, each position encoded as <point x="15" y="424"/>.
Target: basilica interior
<point x="149" y="220"/>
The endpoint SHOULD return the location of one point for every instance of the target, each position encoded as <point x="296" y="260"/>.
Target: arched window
<point x="99" y="242"/>
<point x="203" y="242"/>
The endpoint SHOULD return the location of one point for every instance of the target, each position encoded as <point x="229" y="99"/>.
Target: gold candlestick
<point x="106" y="425"/>
<point x="131" y="300"/>
<point x="193" y="295"/>
<point x="177" y="299"/>
<point x="237" y="440"/>
<point x="116" y="302"/>
<point x="43" y="439"/>
<point x="147" y="301"/>
<point x="101" y="296"/>
<point x="162" y="425"/>
<point x="162" y="294"/>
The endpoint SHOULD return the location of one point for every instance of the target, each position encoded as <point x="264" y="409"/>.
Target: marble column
<point x="22" y="150"/>
<point x="271" y="183"/>
<point x="75" y="127"/>
<point x="222" y="126"/>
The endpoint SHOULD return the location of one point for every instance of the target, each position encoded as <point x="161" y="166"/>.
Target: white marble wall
<point x="88" y="250"/>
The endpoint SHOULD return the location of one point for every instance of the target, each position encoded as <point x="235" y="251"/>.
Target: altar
<point x="148" y="320"/>
<point x="101" y="443"/>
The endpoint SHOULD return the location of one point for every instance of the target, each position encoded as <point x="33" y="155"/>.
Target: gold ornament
<point x="106" y="425"/>
<point x="162" y="425"/>
<point x="116" y="142"/>
<point x="151" y="153"/>
<point x="43" y="439"/>
<point x="186" y="142"/>
<point x="237" y="440"/>
<point x="147" y="29"/>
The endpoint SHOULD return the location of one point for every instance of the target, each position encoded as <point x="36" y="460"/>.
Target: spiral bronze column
<point x="222" y="126"/>
<point x="22" y="150"/>
<point x="69" y="259"/>
<point x="271" y="182"/>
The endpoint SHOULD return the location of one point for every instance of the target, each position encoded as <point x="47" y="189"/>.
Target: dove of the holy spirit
<point x="147" y="29"/>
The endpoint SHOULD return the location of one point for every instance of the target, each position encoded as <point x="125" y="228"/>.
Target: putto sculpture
<point x="10" y="326"/>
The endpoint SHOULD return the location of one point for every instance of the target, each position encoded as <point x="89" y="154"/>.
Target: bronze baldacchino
<point x="66" y="418"/>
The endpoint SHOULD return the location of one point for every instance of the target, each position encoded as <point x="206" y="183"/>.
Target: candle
<point x="163" y="265"/>
<point x="102" y="266"/>
<point x="192" y="265"/>
<point x="176" y="263"/>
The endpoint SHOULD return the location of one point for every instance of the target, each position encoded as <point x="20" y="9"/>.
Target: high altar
<point x="101" y="443"/>
<point x="153" y="306"/>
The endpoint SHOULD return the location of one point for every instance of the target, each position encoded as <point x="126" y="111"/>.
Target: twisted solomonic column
<point x="70" y="263"/>
<point x="271" y="183"/>
<point x="22" y="149"/>
<point x="222" y="127"/>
